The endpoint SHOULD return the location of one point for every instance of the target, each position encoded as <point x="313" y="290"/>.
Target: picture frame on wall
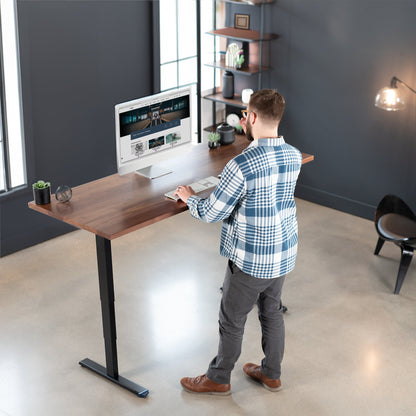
<point x="241" y="21"/>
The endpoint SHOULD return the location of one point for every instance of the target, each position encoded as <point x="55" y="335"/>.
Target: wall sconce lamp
<point x="390" y="98"/>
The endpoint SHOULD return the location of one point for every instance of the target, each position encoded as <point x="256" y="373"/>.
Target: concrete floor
<point x="350" y="343"/>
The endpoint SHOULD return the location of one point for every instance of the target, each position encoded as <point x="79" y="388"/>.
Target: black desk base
<point x="121" y="381"/>
<point x="105" y="277"/>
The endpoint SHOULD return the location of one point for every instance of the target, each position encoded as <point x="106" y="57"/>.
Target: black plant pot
<point x="42" y="196"/>
<point x="214" y="145"/>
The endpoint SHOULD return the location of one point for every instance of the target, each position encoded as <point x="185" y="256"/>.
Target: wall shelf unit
<point x="251" y="40"/>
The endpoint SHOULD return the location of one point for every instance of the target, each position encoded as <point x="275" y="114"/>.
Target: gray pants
<point x="240" y="293"/>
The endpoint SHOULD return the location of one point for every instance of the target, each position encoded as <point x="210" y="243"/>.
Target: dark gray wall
<point x="78" y="59"/>
<point x="330" y="60"/>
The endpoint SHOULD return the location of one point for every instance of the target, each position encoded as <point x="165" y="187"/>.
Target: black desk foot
<point x="121" y="381"/>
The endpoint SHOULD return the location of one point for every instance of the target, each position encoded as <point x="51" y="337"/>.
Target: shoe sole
<point x="212" y="393"/>
<point x="258" y="381"/>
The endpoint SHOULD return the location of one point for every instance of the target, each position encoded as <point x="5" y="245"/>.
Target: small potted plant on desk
<point x="239" y="129"/>
<point x="213" y="140"/>
<point x="42" y="192"/>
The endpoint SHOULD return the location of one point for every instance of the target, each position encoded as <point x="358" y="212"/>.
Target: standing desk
<point x="117" y="205"/>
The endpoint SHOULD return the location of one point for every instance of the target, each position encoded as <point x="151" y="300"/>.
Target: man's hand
<point x="184" y="192"/>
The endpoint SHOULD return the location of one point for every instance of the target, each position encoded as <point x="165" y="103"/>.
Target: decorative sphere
<point x="63" y="193"/>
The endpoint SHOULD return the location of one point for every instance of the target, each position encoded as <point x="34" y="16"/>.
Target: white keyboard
<point x="200" y="186"/>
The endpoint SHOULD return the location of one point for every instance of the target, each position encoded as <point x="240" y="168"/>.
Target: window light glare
<point x="12" y="93"/>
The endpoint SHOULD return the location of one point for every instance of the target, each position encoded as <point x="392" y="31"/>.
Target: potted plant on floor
<point x="42" y="192"/>
<point x="213" y="140"/>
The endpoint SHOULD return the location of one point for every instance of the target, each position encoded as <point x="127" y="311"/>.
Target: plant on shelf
<point x="239" y="59"/>
<point x="239" y="129"/>
<point x="42" y="192"/>
<point x="213" y="140"/>
<point x="234" y="57"/>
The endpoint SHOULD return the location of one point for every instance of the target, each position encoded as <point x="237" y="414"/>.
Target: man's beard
<point x="248" y="132"/>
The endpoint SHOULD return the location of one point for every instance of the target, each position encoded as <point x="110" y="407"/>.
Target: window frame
<point x="6" y="172"/>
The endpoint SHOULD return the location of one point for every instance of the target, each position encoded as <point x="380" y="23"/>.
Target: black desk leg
<point x="105" y="277"/>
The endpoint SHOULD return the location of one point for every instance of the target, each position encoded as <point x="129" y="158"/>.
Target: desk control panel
<point x="198" y="187"/>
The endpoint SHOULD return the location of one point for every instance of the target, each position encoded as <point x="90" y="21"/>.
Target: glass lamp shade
<point x="390" y="99"/>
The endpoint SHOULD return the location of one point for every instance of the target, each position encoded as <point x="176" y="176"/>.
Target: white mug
<point x="245" y="95"/>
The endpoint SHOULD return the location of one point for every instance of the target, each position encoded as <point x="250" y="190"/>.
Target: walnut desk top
<point x="117" y="205"/>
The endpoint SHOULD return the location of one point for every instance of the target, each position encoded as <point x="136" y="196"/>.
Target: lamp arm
<point x="395" y="80"/>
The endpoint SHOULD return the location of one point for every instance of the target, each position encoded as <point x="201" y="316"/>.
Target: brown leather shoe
<point x="254" y="372"/>
<point x="202" y="384"/>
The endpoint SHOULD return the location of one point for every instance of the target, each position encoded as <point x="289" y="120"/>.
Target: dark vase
<point x="42" y="196"/>
<point x="228" y="85"/>
<point x="226" y="133"/>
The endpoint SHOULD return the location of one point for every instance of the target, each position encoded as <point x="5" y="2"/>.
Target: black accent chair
<point x="395" y="222"/>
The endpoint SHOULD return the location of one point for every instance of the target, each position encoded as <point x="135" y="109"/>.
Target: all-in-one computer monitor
<point x="152" y="129"/>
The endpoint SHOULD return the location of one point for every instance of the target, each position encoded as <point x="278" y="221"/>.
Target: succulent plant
<point x="41" y="185"/>
<point x="213" y="137"/>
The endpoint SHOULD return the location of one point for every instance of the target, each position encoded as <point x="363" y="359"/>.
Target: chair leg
<point x="380" y="243"/>
<point x="407" y="254"/>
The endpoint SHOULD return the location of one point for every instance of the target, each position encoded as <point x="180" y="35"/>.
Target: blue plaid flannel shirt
<point x="255" y="201"/>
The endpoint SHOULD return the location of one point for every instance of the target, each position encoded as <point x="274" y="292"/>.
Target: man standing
<point x="255" y="201"/>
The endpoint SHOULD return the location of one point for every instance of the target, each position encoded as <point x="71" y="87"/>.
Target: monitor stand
<point x="153" y="172"/>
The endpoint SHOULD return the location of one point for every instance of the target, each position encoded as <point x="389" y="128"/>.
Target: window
<point x="12" y="163"/>
<point x="210" y="45"/>
<point x="178" y="49"/>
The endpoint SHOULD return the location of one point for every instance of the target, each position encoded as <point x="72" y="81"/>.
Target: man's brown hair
<point x="267" y="104"/>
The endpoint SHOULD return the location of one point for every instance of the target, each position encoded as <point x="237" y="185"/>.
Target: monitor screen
<point x="152" y="129"/>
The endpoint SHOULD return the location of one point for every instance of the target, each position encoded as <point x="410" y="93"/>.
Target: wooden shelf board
<point x="236" y="101"/>
<point x="251" y="70"/>
<point x="242" y="34"/>
<point x="250" y="2"/>
<point x="211" y="129"/>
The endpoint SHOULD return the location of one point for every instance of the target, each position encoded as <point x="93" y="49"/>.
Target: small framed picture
<point x="241" y="21"/>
